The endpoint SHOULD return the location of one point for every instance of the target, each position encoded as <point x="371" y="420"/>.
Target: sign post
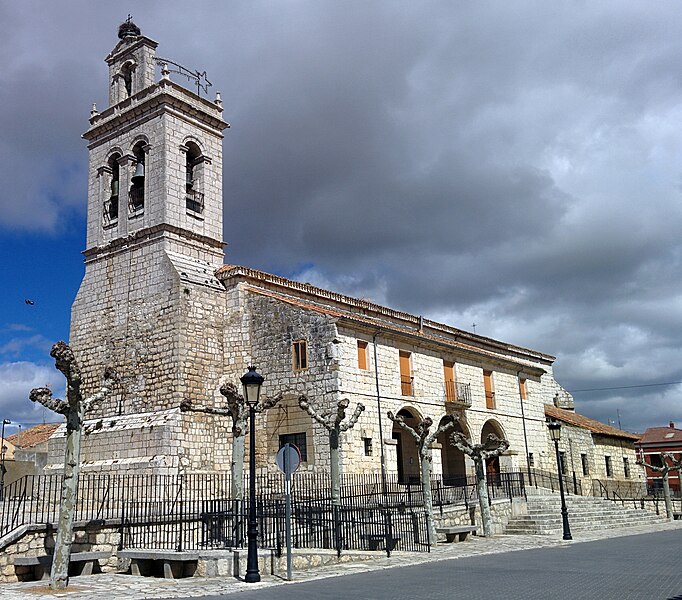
<point x="288" y="460"/>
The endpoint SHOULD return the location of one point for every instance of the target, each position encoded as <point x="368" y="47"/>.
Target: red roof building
<point x="654" y="442"/>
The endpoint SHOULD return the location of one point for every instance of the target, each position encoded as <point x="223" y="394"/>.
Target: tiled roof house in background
<point x="655" y="441"/>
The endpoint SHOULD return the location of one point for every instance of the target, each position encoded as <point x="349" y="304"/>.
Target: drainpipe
<point x="523" y="421"/>
<point x="381" y="427"/>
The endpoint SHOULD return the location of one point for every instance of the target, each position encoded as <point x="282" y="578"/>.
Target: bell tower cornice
<point x="164" y="96"/>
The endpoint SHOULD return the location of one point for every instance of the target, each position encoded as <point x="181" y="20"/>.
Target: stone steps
<point x="584" y="513"/>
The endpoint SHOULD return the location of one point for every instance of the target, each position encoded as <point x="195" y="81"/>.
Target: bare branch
<point x="459" y="441"/>
<point x="306" y="406"/>
<point x="269" y="402"/>
<point x="353" y="418"/>
<point x="447" y="422"/>
<point x="65" y="361"/>
<point x="44" y="397"/>
<point x="400" y="422"/>
<point x="493" y="447"/>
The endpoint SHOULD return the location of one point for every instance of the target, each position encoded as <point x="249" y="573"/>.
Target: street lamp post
<point x="555" y="434"/>
<point x="252" y="382"/>
<point x="3" y="450"/>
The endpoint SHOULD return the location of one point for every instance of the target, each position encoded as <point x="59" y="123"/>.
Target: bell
<point x="138" y="178"/>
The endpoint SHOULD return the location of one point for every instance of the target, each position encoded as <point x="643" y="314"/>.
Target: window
<point x="363" y="355"/>
<point x="298" y="440"/>
<point x="562" y="462"/>
<point x="626" y="467"/>
<point x="656" y="460"/>
<point x="609" y="466"/>
<point x="488" y="386"/>
<point x="299" y="351"/>
<point x="368" y="446"/>
<point x="585" y="464"/>
<point x="405" y="374"/>
<point x="531" y="460"/>
<point x="522" y="390"/>
<point x="194" y="198"/>
<point x="449" y="378"/>
<point x="136" y="193"/>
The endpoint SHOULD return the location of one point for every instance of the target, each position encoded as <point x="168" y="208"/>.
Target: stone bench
<point x="376" y="540"/>
<point x="458" y="533"/>
<point x="80" y="563"/>
<point x="161" y="563"/>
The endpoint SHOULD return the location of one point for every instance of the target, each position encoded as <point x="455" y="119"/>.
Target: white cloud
<point x="17" y="379"/>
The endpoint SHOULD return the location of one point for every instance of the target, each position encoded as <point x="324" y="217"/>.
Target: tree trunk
<point x="237" y="466"/>
<point x="666" y="497"/>
<point x="426" y="459"/>
<point x="335" y="465"/>
<point x="483" y="500"/>
<point x="59" y="574"/>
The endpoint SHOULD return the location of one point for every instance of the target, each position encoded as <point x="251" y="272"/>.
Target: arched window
<point x="194" y="197"/>
<point x="111" y="200"/>
<point x="136" y="194"/>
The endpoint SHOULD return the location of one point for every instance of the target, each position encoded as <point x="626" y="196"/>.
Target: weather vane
<point x="199" y="78"/>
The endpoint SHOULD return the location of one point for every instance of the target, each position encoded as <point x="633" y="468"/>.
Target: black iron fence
<point x="192" y="511"/>
<point x="544" y="479"/>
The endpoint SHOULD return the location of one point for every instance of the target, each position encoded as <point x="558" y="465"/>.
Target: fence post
<point x="509" y="488"/>
<point x="337" y="529"/>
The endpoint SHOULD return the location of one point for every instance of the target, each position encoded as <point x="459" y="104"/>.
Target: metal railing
<point x="110" y="210"/>
<point x="458" y="393"/>
<point x="406" y="385"/>
<point x="194" y="201"/>
<point x="195" y="510"/>
<point x="136" y="198"/>
<point x="544" y="479"/>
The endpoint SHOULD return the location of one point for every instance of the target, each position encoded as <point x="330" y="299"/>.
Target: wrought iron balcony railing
<point x="406" y="385"/>
<point x="458" y="393"/>
<point x="194" y="201"/>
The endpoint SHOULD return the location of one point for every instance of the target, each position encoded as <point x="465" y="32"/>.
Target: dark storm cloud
<point x="516" y="164"/>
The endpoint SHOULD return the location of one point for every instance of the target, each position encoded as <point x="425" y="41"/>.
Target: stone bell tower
<point x="149" y="304"/>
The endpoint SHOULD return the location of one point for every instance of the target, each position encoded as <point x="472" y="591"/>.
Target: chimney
<point x="671" y="425"/>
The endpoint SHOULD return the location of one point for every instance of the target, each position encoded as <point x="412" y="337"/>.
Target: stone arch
<point x="492" y="466"/>
<point x="452" y="459"/>
<point x="407" y="451"/>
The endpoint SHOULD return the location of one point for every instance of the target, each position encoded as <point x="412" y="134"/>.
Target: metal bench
<point x="150" y="563"/>
<point x="80" y="563"/>
<point x="458" y="533"/>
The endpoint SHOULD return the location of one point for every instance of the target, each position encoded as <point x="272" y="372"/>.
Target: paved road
<point x="638" y="567"/>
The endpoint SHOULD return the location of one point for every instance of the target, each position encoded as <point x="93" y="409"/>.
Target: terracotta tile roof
<point x="373" y="322"/>
<point x="573" y="418"/>
<point x="33" y="436"/>
<point x="662" y="436"/>
<point x="358" y="308"/>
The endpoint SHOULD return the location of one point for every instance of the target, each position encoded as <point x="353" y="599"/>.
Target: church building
<point x="159" y="305"/>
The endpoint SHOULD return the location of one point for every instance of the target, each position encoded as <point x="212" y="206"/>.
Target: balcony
<point x="457" y="395"/>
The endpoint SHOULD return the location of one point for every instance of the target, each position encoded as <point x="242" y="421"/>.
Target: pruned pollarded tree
<point x="74" y="408"/>
<point x="479" y="453"/>
<point x="669" y="463"/>
<point x="334" y="424"/>
<point x="425" y="437"/>
<point x="238" y="410"/>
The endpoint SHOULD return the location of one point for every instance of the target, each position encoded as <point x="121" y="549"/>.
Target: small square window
<point x="609" y="466"/>
<point x="298" y="440"/>
<point x="299" y="353"/>
<point x="562" y="462"/>
<point x="531" y="459"/>
<point x="585" y="464"/>
<point x="626" y="467"/>
<point x="368" y="446"/>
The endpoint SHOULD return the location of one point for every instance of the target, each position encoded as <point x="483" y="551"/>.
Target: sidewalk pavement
<point x="129" y="587"/>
